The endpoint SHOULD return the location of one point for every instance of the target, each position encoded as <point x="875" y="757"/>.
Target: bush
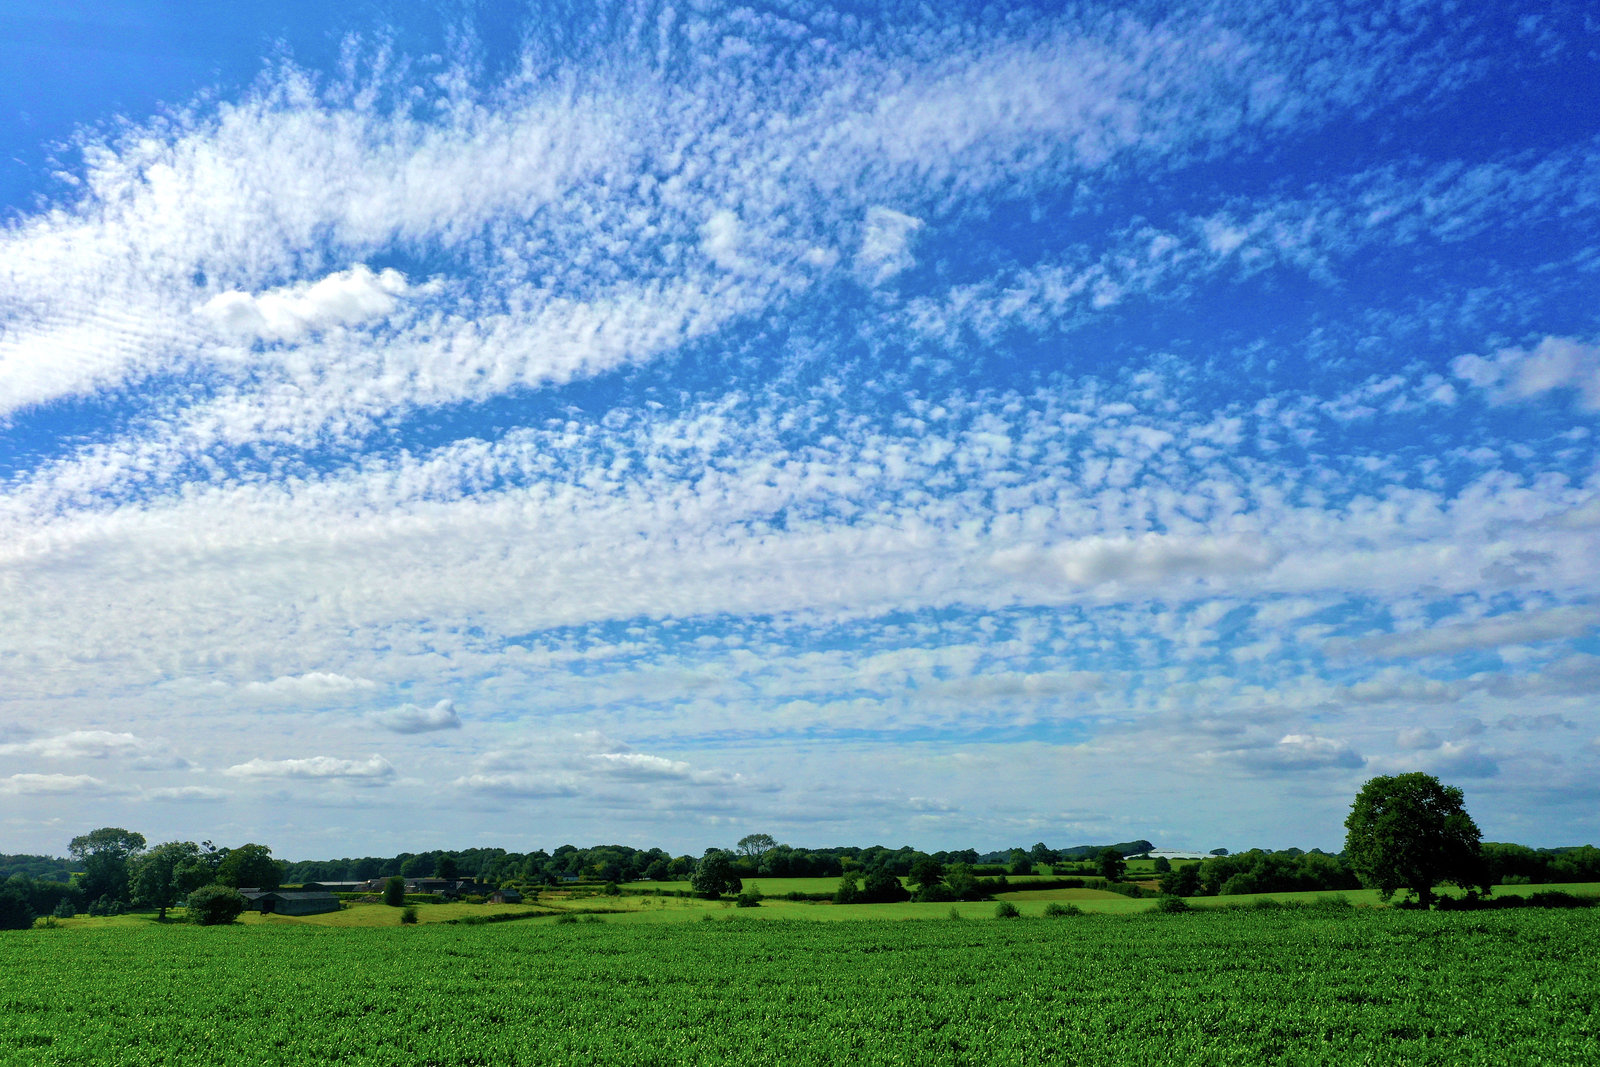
<point x="1056" y="909"/>
<point x="938" y="893"/>
<point x="611" y="890"/>
<point x="1171" y="905"/>
<point x="65" y="909"/>
<point x="748" y="900"/>
<point x="394" y="891"/>
<point x="214" y="905"/>
<point x="1006" y="910"/>
<point x="955" y="913"/>
<point x="568" y="917"/>
<point x="408" y="916"/>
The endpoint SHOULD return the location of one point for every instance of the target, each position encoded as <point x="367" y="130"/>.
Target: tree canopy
<point x="1409" y="831"/>
<point x="714" y="875"/>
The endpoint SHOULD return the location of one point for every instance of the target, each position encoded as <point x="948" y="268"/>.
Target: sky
<point x="455" y="425"/>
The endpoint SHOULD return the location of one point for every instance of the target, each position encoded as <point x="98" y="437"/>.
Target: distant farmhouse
<point x="449" y="888"/>
<point x="280" y="902"/>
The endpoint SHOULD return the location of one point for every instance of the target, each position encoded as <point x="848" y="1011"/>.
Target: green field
<point x="1239" y="986"/>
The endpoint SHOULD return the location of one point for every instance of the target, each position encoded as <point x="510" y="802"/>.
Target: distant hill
<point x="1127" y="848"/>
<point x="1077" y="852"/>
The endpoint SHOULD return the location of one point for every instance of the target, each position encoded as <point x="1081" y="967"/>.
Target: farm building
<point x="505" y="896"/>
<point x="289" y="903"/>
<point x="1170" y="854"/>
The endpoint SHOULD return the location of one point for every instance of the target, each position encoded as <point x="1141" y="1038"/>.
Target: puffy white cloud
<point x="411" y="719"/>
<point x="373" y="769"/>
<point x="83" y="744"/>
<point x="52" y="784"/>
<point x="1301" y="752"/>
<point x="343" y="298"/>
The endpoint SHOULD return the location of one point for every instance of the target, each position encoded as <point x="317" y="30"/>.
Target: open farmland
<point x="1231" y="986"/>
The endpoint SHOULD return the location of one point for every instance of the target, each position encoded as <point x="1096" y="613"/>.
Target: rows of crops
<point x="1227" y="987"/>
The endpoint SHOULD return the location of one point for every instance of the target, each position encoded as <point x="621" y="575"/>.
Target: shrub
<point x="214" y="905"/>
<point x="568" y="917"/>
<point x="1516" y="879"/>
<point x="1171" y="905"/>
<point x="938" y="893"/>
<point x="394" y="891"/>
<point x="955" y="913"/>
<point x="1006" y="910"/>
<point x="748" y="900"/>
<point x="1056" y="909"/>
<point x="65" y="909"/>
<point x="611" y="890"/>
<point x="408" y="916"/>
<point x="1554" y="898"/>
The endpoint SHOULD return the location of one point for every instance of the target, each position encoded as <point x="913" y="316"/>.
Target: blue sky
<point x="488" y="424"/>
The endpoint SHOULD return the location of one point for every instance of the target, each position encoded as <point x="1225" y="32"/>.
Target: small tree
<point x="1019" y="861"/>
<point x="713" y="875"/>
<point x="1409" y="831"/>
<point x="394" y="891"/>
<point x="1112" y="865"/>
<point x="755" y="846"/>
<point x="15" y="911"/>
<point x="215" y="905"/>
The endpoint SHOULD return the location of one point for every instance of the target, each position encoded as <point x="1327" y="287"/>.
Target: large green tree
<point x="714" y="875"/>
<point x="104" y="854"/>
<point x="1410" y="831"/>
<point x="250" y="866"/>
<point x="167" y="872"/>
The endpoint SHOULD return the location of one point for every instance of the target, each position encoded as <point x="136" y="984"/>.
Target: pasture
<point x="1224" y="986"/>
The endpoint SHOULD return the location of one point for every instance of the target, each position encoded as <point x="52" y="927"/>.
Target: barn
<point x="277" y="902"/>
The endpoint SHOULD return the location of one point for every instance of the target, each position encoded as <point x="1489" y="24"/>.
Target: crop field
<point x="1357" y="986"/>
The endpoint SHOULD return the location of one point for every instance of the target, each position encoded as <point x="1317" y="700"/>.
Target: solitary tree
<point x="927" y="872"/>
<point x="394" y="891"/>
<point x="713" y="875"/>
<point x="1408" y="831"/>
<point x="1112" y="865"/>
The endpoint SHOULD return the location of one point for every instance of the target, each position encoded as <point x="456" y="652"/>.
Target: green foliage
<point x="1162" y="865"/>
<point x="1055" y="909"/>
<point x="408" y="916"/>
<point x="1181" y="881"/>
<point x="66" y="909"/>
<point x="1171" y="905"/>
<point x="104" y="854"/>
<point x="1006" y="910"/>
<point x="714" y="875"/>
<point x="882" y="887"/>
<point x="250" y="867"/>
<point x="16" y="913"/>
<point x="394" y="891"/>
<point x="849" y="891"/>
<point x="1409" y="831"/>
<point x="214" y="905"/>
<point x="1111" y="864"/>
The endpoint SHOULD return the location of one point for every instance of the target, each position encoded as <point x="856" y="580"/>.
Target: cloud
<point x="1301" y="752"/>
<point x="1494" y="631"/>
<point x="1146" y="559"/>
<point x="83" y="744"/>
<point x="1516" y="374"/>
<point x="374" y="769"/>
<point x="342" y="298"/>
<point x="186" y="794"/>
<point x="886" y="243"/>
<point x="52" y="784"/>
<point x="313" y="685"/>
<point x="411" y="719"/>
